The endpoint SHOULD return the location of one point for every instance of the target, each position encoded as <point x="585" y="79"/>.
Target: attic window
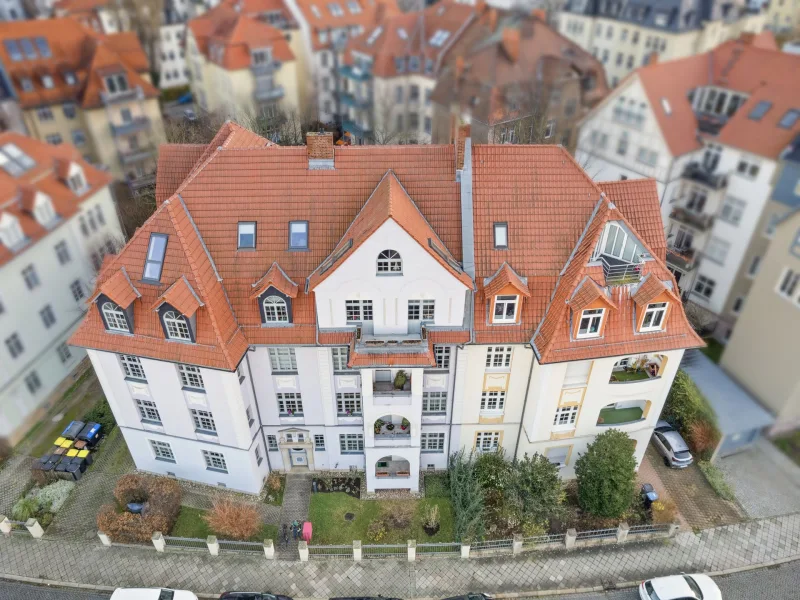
<point x="45" y="213"/>
<point x="400" y="64"/>
<point x="298" y="235"/>
<point x="501" y="236"/>
<point x="47" y="82"/>
<point x="76" y="182"/>
<point x="315" y="10"/>
<point x="247" y="234"/>
<point x="666" y="106"/>
<point x="760" y="110"/>
<point x="439" y="38"/>
<point x="590" y="322"/>
<point x="11" y="234"/>
<point x="354" y="7"/>
<point x="505" y="309"/>
<point x="654" y="317"/>
<point x="374" y="36"/>
<point x="69" y="78"/>
<point x="335" y="9"/>
<point x="14" y="161"/>
<point x="789" y="119"/>
<point x="155" y="257"/>
<point x="28" y="49"/>
<point x="114" y="317"/>
<point x="13" y="50"/>
<point x="402" y="33"/>
<point x="26" y="84"/>
<point x="43" y="47"/>
<point x="116" y="84"/>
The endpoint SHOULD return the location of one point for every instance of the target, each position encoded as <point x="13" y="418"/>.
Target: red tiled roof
<point x="277" y="278"/>
<point x="587" y="292"/>
<point x="180" y="296"/>
<point x="119" y="288"/>
<point x="505" y="276"/>
<point x="649" y="288"/>
<point x="390" y="359"/>
<point x="638" y="200"/>
<point x="320" y="19"/>
<point x="175" y="162"/>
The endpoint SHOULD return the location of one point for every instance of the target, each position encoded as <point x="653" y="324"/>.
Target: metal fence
<point x="496" y="546"/>
<point x="185" y="543"/>
<point x="439" y="549"/>
<point x="650" y="528"/>
<point x="540" y="540"/>
<point x="336" y="552"/>
<point x="241" y="547"/>
<point x="593" y="534"/>
<point x="18" y="527"/>
<point x="385" y="551"/>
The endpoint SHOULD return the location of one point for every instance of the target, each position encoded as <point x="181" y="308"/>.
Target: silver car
<point x="671" y="446"/>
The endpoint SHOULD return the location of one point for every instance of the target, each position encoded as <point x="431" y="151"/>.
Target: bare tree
<point x="701" y="319"/>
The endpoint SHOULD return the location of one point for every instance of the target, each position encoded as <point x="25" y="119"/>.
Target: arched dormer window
<point x="275" y="310"/>
<point x="176" y="326"/>
<point x="114" y="317"/>
<point x="390" y="263"/>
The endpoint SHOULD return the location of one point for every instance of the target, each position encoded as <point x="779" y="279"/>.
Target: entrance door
<point x="298" y="457"/>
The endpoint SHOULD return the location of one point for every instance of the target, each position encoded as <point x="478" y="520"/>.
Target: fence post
<point x="356" y="550"/>
<point x="570" y="538"/>
<point x="412" y="550"/>
<point x="104" y="539"/>
<point x="269" y="549"/>
<point x="213" y="545"/>
<point x="622" y="533"/>
<point x="673" y="529"/>
<point x="516" y="545"/>
<point x="464" y="550"/>
<point x="158" y="541"/>
<point x="302" y="548"/>
<point x="32" y="525"/>
<point x="5" y="525"/>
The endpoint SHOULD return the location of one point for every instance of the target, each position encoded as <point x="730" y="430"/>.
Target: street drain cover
<point x="349" y="516"/>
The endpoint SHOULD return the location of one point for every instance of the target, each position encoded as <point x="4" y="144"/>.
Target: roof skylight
<point x="439" y="38"/>
<point x="14" y="161"/>
<point x="374" y="36"/>
<point x="789" y="119"/>
<point x="760" y="110"/>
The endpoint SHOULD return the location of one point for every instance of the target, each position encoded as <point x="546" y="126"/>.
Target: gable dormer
<point x="621" y="254"/>
<point x="40" y="206"/>
<point x="177" y="311"/>
<point x="72" y="175"/>
<point x="504" y="292"/>
<point x="589" y="306"/>
<point x="11" y="234"/>
<point x="114" y="301"/>
<point x="274" y="293"/>
<point x="653" y="299"/>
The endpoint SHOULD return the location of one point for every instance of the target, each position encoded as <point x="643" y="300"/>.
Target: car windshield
<point x="694" y="587"/>
<point x="682" y="455"/>
<point x="651" y="593"/>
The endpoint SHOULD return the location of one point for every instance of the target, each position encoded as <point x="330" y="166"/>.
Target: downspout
<point x="452" y="404"/>
<point x="258" y="410"/>
<point x="524" y="404"/>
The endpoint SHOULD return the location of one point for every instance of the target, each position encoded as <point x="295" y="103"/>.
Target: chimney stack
<point x="747" y="38"/>
<point x="652" y="58"/>
<point x="319" y="146"/>
<point x="462" y="133"/>
<point x="510" y="43"/>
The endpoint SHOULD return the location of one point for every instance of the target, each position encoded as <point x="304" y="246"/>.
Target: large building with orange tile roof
<point x="711" y="129"/>
<point x="104" y="16"/>
<point x="91" y="90"/>
<point x="57" y="222"/>
<point x="379" y="308"/>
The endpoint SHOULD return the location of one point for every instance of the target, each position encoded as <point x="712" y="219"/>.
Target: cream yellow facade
<point x="783" y="16"/>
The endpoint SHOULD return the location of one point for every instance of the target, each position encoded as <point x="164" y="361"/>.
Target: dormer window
<point x="44" y="212"/>
<point x="69" y="78"/>
<point x="298" y="235"/>
<point x="275" y="310"/>
<point x="26" y="84"/>
<point x="501" y="236"/>
<point x="114" y="317"/>
<point x="176" y="326"/>
<point x="505" y="309"/>
<point x="390" y="263"/>
<point x="262" y="57"/>
<point x="11" y="234"/>
<point x="590" y="323"/>
<point x="47" y="82"/>
<point x="116" y="84"/>
<point x="76" y="181"/>
<point x="654" y="317"/>
<point x="155" y="257"/>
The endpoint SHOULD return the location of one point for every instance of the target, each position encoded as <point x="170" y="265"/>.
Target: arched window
<point x="115" y="317"/>
<point x="275" y="310"/>
<point x="389" y="261"/>
<point x="177" y="327"/>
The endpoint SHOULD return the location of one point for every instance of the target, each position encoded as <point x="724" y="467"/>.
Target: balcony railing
<point x="130" y="157"/>
<point x="137" y="124"/>
<point x="681" y="258"/>
<point x="620" y="272"/>
<point x="268" y="94"/>
<point x="696" y="172"/>
<point x="710" y="123"/>
<point x="354" y="100"/>
<point x="265" y="68"/>
<point x="387" y="388"/>
<point x="134" y="93"/>
<point x="702" y="222"/>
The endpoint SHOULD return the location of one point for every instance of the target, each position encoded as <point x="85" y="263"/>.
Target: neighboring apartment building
<point x="239" y="63"/>
<point x="710" y="129"/>
<point x="624" y="35"/>
<point x="760" y="353"/>
<point x="88" y="89"/>
<point x="782" y="16"/>
<point x="173" y="68"/>
<point x="57" y="221"/>
<point x="12" y="10"/>
<point x="326" y="27"/>
<point x="104" y="16"/>
<point x="516" y="80"/>
<point x="271" y="335"/>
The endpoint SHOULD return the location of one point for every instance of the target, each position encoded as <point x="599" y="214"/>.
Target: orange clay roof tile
<point x="649" y="288"/>
<point x="180" y="296"/>
<point x="587" y="292"/>
<point x="119" y="288"/>
<point x="275" y="277"/>
<point x="504" y="276"/>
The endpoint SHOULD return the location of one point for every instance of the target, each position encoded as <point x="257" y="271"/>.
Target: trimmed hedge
<point x="162" y="500"/>
<point x="688" y="411"/>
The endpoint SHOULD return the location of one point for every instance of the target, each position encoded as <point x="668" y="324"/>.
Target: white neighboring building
<point x="103" y="16"/>
<point x="12" y="10"/>
<point x="173" y="69"/>
<point x="272" y="335"/>
<point x="57" y="221"/>
<point x="711" y="139"/>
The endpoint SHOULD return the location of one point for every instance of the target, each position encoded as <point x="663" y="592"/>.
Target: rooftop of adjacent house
<point x="53" y="61"/>
<point x="335" y="22"/>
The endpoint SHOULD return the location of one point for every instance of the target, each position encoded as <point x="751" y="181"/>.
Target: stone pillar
<point x="516" y="545"/>
<point x="356" y="550"/>
<point x="464" y="550"/>
<point x="158" y="541"/>
<point x="673" y="529"/>
<point x="269" y="549"/>
<point x="104" y="539"/>
<point x="5" y="525"/>
<point x="213" y="545"/>
<point x="412" y="550"/>
<point x="302" y="548"/>
<point x="622" y="533"/>
<point x="34" y="528"/>
<point x="570" y="538"/>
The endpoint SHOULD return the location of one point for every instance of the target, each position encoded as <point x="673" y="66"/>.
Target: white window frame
<point x="432" y="441"/>
<point x="290" y="404"/>
<point x="788" y="283"/>
<point x="717" y="250"/>
<point x="215" y="461"/>
<point x="499" y="357"/>
<point x="348" y="401"/>
<point x="148" y="411"/>
<point x="64" y="353"/>
<point x="590" y="315"/>
<point x="319" y="442"/>
<point x="272" y="443"/>
<point x="566" y="418"/>
<point x="162" y="451"/>
<point x="114" y="317"/>
<point x="501" y="236"/>
<point x="359" y="310"/>
<point x="487" y="441"/>
<point x="340" y="356"/>
<point x="351" y="443"/>
<point x="282" y="360"/>
<point x="421" y="310"/>
<point x="505" y="301"/>
<point x="176" y="326"/>
<point x="246" y="228"/>
<point x="734" y="208"/>
<point x="704" y="284"/>
<point x="275" y="310"/>
<point x="559" y="464"/>
<point x="389" y="263"/>
<point x="442" y="355"/>
<point x="493" y="401"/>
<point x="191" y="377"/>
<point x="656" y="312"/>
<point x="78" y="293"/>
<point x="203" y="421"/>
<point x="434" y="403"/>
<point x="132" y="367"/>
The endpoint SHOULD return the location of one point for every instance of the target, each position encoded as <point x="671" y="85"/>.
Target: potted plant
<point x="390" y="427"/>
<point x="348" y="412"/>
<point x="289" y="412"/>
<point x="431" y="524"/>
<point x="400" y="380"/>
<point x="378" y="425"/>
<point x="405" y="424"/>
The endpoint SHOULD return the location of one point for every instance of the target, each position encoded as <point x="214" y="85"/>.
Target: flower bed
<point x="162" y="502"/>
<point x="348" y="485"/>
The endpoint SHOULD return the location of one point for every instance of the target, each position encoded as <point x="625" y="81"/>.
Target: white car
<point x="680" y="587"/>
<point x="151" y="594"/>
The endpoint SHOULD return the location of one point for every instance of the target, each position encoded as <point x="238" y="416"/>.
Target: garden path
<point x="296" y="500"/>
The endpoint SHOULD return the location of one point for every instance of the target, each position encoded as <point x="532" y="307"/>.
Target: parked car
<point x="189" y="115"/>
<point x="252" y="596"/>
<point x="671" y="446"/>
<point x="680" y="587"/>
<point x="151" y="594"/>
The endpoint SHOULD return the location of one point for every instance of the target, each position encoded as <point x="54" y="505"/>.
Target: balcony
<point x="710" y="123"/>
<point x="701" y="222"/>
<point x="623" y="413"/>
<point x="620" y="272"/>
<point x="355" y="72"/>
<point x="134" y="93"/>
<point x="391" y="390"/>
<point x="637" y="368"/>
<point x="696" y="172"/>
<point x="393" y="467"/>
<point x="130" y="157"/>
<point x="681" y="258"/>
<point x="354" y="100"/>
<point x="265" y="68"/>
<point x="392" y="430"/>
<point x="133" y="126"/>
<point x="268" y="94"/>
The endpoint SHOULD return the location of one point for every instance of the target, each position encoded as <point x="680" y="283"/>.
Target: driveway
<point x="766" y="482"/>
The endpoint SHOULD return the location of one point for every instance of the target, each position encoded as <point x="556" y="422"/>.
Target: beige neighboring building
<point x="241" y="64"/>
<point x="761" y="353"/>
<point x="782" y="16"/>
<point x="91" y="90"/>
<point x="104" y="16"/>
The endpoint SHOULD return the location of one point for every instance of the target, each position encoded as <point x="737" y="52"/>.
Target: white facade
<point x="11" y="10"/>
<point x="172" y="66"/>
<point x="42" y="317"/>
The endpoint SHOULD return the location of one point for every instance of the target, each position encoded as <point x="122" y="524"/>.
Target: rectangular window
<point x="752" y="270"/>
<point x="191" y="377"/>
<point x="155" y="257"/>
<point x="31" y="277"/>
<point x="717" y="250"/>
<point x="272" y="443"/>
<point x="493" y="401"/>
<point x="249" y="414"/>
<point x="498" y="357"/>
<point x="487" y="441"/>
<point x="340" y="357"/>
<point x="736" y="308"/>
<point x="558" y="456"/>
<point x="505" y="309"/>
<point x="162" y="451"/>
<point x="565" y="417"/>
<point x="64" y="353"/>
<point x="148" y="411"/>
<point x="501" y="236"/>
<point x="132" y="366"/>
<point x="769" y="231"/>
<point x="48" y="317"/>
<point x="732" y="210"/>
<point x="348" y="403"/>
<point x="442" y="355"/>
<point x="431" y="442"/>
<point x="62" y="253"/>
<point x="654" y="316"/>
<point x="434" y="402"/>
<point x="32" y="382"/>
<point x="351" y="443"/>
<point x="259" y="458"/>
<point x="358" y="310"/>
<point x="290" y="404"/>
<point x="14" y="345"/>
<point x="203" y="421"/>
<point x="247" y="234"/>
<point x="748" y="169"/>
<point x="298" y="235"/>
<point x="590" y="322"/>
<point x="215" y="461"/>
<point x="319" y="442"/>
<point x="76" y="287"/>
<point x="420" y="310"/>
<point x="704" y="286"/>
<point x="282" y="360"/>
<point x="44" y="114"/>
<point x="786" y="288"/>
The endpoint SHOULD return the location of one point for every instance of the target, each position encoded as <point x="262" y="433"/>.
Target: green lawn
<point x="713" y="349"/>
<point x="327" y="512"/>
<point x="630" y="375"/>
<point x="615" y="416"/>
<point x="436" y="486"/>
<point x="790" y="445"/>
<point x="190" y="524"/>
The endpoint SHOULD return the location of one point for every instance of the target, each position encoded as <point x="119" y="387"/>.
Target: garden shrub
<point x="537" y="484"/>
<point x="664" y="511"/>
<point x="398" y="514"/>
<point x="376" y="531"/>
<point x="55" y="494"/>
<point x="25" y="508"/>
<point x="233" y="519"/>
<point x="688" y="411"/>
<point x="606" y="475"/>
<point x="703" y="438"/>
<point x="432" y="516"/>
<point x="162" y="499"/>
<point x="467" y="497"/>
<point x="493" y="471"/>
<point x="716" y="479"/>
<point x="274" y="482"/>
<point x="128" y="527"/>
<point x="101" y="413"/>
<point x="130" y="488"/>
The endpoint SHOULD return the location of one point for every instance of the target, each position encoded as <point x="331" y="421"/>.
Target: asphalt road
<point x="776" y="583"/>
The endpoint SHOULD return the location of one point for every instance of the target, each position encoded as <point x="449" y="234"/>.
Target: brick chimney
<point x="461" y="134"/>
<point x="320" y="149"/>
<point x="459" y="69"/>
<point x="492" y="19"/>
<point x="510" y="43"/>
<point x="652" y="58"/>
<point x="747" y="38"/>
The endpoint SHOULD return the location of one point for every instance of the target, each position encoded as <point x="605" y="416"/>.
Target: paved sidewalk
<point x="728" y="547"/>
